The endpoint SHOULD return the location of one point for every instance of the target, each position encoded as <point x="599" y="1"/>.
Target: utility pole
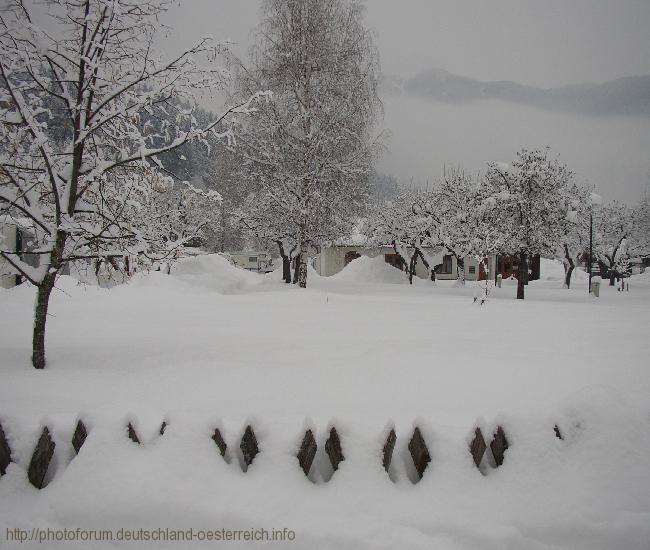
<point x="591" y="243"/>
<point x="594" y="200"/>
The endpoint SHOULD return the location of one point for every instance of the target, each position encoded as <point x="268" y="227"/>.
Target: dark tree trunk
<point x="302" y="266"/>
<point x="567" y="276"/>
<point x="568" y="270"/>
<point x="296" y="268"/>
<point x="286" y="269"/>
<point x="521" y="279"/>
<point x="302" y="243"/>
<point x="40" y="319"/>
<point x="43" y="301"/>
<point x="286" y="263"/>
<point x="432" y="273"/>
<point x="412" y="264"/>
<point x="612" y="277"/>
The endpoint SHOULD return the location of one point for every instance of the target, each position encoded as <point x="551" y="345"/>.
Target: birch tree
<point x="92" y="67"/>
<point x="309" y="147"/>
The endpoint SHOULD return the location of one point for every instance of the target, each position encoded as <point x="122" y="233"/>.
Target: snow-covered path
<point x="211" y="346"/>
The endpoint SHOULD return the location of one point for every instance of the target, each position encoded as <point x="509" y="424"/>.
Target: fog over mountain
<point x="518" y="56"/>
<point x="437" y="119"/>
<point x="624" y="96"/>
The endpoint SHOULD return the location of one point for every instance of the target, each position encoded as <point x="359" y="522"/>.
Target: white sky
<point x="538" y="42"/>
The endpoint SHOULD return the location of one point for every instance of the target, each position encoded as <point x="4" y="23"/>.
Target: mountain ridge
<point x="627" y="96"/>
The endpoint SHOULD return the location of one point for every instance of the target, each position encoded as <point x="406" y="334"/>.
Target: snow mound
<point x="553" y="270"/>
<point x="643" y="278"/>
<point x="371" y="270"/>
<point x="214" y="273"/>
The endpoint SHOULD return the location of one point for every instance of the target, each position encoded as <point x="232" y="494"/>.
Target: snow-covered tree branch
<point x="308" y="149"/>
<point x="76" y="157"/>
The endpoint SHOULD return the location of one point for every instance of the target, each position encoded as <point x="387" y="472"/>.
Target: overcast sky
<point x="543" y="43"/>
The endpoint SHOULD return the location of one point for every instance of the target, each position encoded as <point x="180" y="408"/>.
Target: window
<point x="252" y="259"/>
<point x="447" y="264"/>
<point x="472" y="269"/>
<point x="395" y="261"/>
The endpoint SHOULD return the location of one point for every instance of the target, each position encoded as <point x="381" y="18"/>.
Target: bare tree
<point x="309" y="148"/>
<point x="95" y="73"/>
<point x="529" y="204"/>
<point x="620" y="237"/>
<point x="574" y="227"/>
<point x="407" y="222"/>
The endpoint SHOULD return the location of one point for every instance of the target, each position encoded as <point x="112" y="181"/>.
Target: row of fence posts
<point x="44" y="450"/>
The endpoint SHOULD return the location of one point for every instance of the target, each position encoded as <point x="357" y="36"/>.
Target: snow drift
<point x="214" y="273"/>
<point x="371" y="270"/>
<point x="214" y="346"/>
<point x="553" y="270"/>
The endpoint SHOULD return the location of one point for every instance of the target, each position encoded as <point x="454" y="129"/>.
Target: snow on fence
<point x="417" y="446"/>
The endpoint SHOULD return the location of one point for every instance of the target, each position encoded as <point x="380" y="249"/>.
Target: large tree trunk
<point x="302" y="266"/>
<point x="43" y="301"/>
<point x="567" y="276"/>
<point x="286" y="263"/>
<point x="412" y="263"/>
<point x="286" y="269"/>
<point x="432" y="273"/>
<point x="521" y="279"/>
<point x="300" y="275"/>
<point x="40" y="318"/>
<point x="612" y="272"/>
<point x="568" y="270"/>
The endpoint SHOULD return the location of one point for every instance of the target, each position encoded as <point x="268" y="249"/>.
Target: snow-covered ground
<point x="213" y="346"/>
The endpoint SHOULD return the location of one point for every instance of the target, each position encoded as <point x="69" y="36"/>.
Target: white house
<point x="332" y="259"/>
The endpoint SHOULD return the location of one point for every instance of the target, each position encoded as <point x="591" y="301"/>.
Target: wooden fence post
<point x="477" y="447"/>
<point x="5" y="452"/>
<point x="41" y="459"/>
<point x="133" y="436"/>
<point x="221" y="444"/>
<point x="499" y="446"/>
<point x="387" y="451"/>
<point x="419" y="452"/>
<point x="307" y="452"/>
<point x="79" y="436"/>
<point x="333" y="449"/>
<point x="249" y="446"/>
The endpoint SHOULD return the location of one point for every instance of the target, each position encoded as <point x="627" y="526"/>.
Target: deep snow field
<point x="214" y="346"/>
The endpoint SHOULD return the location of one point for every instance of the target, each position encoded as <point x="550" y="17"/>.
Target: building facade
<point x="332" y="259"/>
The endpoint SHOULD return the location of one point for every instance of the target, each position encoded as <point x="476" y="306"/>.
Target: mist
<point x="532" y="43"/>
<point x="610" y="152"/>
